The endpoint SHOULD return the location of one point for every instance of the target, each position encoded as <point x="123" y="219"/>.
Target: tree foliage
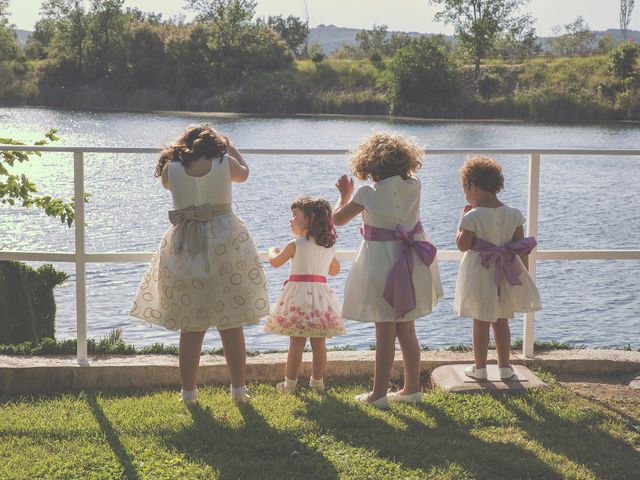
<point x="422" y="77"/>
<point x="478" y="24"/>
<point x="19" y="190"/>
<point x="575" y="38"/>
<point x="292" y="30"/>
<point x="626" y="7"/>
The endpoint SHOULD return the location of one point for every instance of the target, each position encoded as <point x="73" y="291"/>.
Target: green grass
<point x="543" y="434"/>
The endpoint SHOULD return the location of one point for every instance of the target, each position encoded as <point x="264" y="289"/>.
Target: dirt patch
<point x="612" y="392"/>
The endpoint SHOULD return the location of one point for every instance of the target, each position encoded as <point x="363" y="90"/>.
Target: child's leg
<point x="480" y="342"/>
<point x="189" y="358"/>
<point x="319" y="365"/>
<point x="294" y="358"/>
<point x="235" y="354"/>
<point x="502" y="336"/>
<point x="385" y="352"/>
<point x="410" y="357"/>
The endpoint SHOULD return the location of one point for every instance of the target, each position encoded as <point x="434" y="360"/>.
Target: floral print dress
<point x="307" y="307"/>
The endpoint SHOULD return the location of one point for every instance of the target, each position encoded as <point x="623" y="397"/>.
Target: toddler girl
<point x="206" y="272"/>
<point x="493" y="282"/>
<point x="394" y="278"/>
<point x="307" y="308"/>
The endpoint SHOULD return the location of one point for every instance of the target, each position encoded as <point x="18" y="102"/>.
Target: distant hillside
<point x="23" y="35"/>
<point x="330" y="37"/>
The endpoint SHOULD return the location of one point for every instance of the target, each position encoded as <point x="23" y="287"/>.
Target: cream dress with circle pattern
<point x="223" y="286"/>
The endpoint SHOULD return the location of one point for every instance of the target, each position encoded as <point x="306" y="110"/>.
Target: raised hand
<point x="345" y="187"/>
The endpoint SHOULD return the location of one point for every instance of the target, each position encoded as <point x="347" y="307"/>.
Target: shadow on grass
<point x="434" y="444"/>
<point x="130" y="472"/>
<point x="583" y="441"/>
<point x="251" y="450"/>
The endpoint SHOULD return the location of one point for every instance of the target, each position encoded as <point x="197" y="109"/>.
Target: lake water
<point x="585" y="203"/>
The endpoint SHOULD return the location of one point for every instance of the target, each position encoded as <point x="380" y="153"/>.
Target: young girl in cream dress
<point x="206" y="272"/>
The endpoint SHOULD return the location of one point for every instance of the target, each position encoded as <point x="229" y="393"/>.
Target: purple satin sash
<point x="504" y="257"/>
<point x="399" y="290"/>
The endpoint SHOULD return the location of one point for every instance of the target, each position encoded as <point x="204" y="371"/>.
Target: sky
<point x="401" y="15"/>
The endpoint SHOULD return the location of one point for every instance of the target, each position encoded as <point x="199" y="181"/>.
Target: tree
<point x="18" y="188"/>
<point x="478" y="23"/>
<point x="108" y="27"/>
<point x="292" y="30"/>
<point x="422" y="77"/>
<point x="626" y="7"/>
<point x="622" y="60"/>
<point x="65" y="28"/>
<point x="9" y="47"/>
<point x="374" y="40"/>
<point x="577" y="39"/>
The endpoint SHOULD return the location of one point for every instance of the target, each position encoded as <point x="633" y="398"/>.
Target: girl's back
<point x="311" y="258"/>
<point x="390" y="202"/>
<point x="213" y="187"/>
<point x="494" y="225"/>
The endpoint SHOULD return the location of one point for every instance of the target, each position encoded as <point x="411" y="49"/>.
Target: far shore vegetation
<point x="90" y="54"/>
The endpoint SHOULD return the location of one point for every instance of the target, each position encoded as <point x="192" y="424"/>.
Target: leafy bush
<point x="622" y="59"/>
<point x="423" y="77"/>
<point x="27" y="305"/>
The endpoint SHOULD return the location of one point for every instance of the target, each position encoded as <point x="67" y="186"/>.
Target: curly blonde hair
<point x="385" y="155"/>
<point x="483" y="172"/>
<point x="317" y="211"/>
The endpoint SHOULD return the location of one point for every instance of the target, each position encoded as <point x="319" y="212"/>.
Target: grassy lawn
<point x="545" y="434"/>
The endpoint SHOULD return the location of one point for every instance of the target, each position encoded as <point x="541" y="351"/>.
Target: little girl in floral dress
<point x="307" y="308"/>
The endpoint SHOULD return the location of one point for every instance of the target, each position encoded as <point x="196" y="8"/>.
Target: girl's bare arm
<point x="278" y="257"/>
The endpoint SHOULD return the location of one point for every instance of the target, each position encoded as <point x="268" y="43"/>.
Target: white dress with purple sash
<point x="482" y="292"/>
<point x="387" y="204"/>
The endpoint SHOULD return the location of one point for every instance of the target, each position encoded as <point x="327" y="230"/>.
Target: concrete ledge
<point x="20" y="375"/>
<point x="451" y="378"/>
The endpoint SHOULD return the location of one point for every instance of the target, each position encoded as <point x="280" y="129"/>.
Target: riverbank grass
<point x="540" y="434"/>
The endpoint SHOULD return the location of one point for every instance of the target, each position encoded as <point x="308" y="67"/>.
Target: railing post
<point x="81" y="286"/>
<point x="528" y="336"/>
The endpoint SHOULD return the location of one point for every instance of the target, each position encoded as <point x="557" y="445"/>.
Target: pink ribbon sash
<point x="504" y="257"/>
<point x="399" y="291"/>
<point x="306" y="278"/>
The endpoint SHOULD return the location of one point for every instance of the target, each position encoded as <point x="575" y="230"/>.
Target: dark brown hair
<point x="385" y="155"/>
<point x="483" y="172"/>
<point x="195" y="142"/>
<point x="317" y="212"/>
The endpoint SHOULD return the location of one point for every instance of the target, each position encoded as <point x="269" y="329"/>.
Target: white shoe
<point x="382" y="402"/>
<point x="239" y="395"/>
<point x="316" y="385"/>
<point x="506" y="373"/>
<point x="477" y="373"/>
<point x="412" y="398"/>
<point x="189" y="397"/>
<point x="283" y="387"/>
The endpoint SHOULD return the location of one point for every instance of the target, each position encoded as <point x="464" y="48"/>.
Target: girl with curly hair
<point x="307" y="307"/>
<point x="493" y="282"/>
<point x="394" y="279"/>
<point x="206" y="272"/>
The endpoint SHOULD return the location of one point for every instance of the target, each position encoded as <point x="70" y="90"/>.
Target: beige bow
<point x="190" y="229"/>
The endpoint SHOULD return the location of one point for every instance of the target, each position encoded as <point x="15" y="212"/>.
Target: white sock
<point x="290" y="384"/>
<point x="189" y="394"/>
<point x="316" y="383"/>
<point x="238" y="391"/>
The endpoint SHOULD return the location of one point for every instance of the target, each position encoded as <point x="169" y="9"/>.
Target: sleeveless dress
<point x="206" y="271"/>
<point x="476" y="290"/>
<point x="307" y="308"/>
<point x="390" y="202"/>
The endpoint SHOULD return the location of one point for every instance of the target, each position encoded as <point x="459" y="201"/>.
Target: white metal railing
<point x="80" y="257"/>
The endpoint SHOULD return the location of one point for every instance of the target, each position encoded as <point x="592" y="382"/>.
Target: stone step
<point x="452" y="379"/>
